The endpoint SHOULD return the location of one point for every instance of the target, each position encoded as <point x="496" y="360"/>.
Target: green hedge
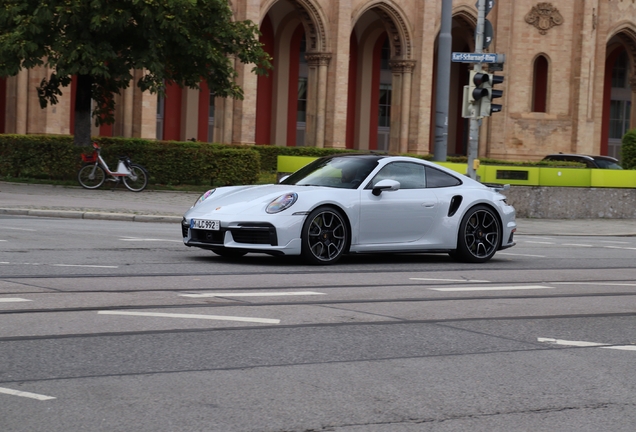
<point x="167" y="162"/>
<point x="628" y="150"/>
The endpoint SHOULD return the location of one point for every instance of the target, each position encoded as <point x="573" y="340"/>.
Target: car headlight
<point x="203" y="197"/>
<point x="281" y="203"/>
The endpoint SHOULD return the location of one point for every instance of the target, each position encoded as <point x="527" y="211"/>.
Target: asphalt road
<point x="116" y="326"/>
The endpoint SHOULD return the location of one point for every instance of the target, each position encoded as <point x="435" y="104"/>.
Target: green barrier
<point x="290" y="164"/>
<point x="613" y="178"/>
<point x="515" y="175"/>
<point x="572" y="177"/>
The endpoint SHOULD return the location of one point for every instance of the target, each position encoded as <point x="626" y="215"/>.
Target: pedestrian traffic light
<point x="486" y="107"/>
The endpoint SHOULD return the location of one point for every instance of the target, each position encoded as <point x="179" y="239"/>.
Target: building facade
<point x="361" y="74"/>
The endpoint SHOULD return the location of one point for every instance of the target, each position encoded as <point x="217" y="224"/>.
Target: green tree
<point x="103" y="41"/>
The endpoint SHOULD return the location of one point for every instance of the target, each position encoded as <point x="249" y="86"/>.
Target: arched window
<point x="540" y="85"/>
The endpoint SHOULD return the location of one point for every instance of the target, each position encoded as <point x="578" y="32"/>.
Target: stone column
<point x="127" y="121"/>
<point x="632" y="113"/>
<point x="316" y="98"/>
<point x="400" y="104"/>
<point x="22" y="102"/>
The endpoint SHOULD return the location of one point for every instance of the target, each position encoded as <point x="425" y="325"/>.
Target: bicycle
<point x="93" y="174"/>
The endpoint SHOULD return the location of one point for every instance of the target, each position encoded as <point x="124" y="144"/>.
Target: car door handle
<point x="429" y="204"/>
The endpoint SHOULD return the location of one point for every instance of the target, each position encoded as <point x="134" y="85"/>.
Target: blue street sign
<point x="478" y="58"/>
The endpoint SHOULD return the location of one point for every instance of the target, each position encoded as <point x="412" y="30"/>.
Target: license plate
<point x="205" y="224"/>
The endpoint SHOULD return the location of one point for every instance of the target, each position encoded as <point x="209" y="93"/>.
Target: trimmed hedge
<point x="168" y="163"/>
<point x="628" y="150"/>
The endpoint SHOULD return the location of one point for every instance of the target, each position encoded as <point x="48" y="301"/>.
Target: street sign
<point x="458" y="57"/>
<point x="489" y="5"/>
<point x="489" y="33"/>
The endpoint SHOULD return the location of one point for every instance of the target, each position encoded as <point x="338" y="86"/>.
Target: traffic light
<point x="478" y="86"/>
<point x="474" y="93"/>
<point x="486" y="107"/>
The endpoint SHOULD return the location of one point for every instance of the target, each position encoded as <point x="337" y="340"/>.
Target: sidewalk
<point x="164" y="206"/>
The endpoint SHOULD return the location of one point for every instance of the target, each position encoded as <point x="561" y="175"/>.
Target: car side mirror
<point x="385" y="185"/>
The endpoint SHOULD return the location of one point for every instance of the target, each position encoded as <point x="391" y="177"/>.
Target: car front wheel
<point x="479" y="235"/>
<point x="324" y="237"/>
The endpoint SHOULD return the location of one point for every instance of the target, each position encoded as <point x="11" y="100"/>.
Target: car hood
<point x="242" y="199"/>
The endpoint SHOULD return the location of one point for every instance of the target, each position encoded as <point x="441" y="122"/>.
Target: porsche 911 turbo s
<point x="355" y="204"/>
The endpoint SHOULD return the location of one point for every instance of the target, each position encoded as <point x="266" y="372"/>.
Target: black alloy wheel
<point x="479" y="235"/>
<point x="325" y="236"/>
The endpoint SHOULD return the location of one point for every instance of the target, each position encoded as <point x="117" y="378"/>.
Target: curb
<point x="128" y="217"/>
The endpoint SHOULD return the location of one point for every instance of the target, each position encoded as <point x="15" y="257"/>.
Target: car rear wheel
<point x="325" y="236"/>
<point x="479" y="235"/>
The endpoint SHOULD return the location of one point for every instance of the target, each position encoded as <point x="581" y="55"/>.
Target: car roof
<point x="589" y="157"/>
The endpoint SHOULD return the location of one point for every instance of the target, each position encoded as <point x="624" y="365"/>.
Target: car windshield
<point x="607" y="164"/>
<point x="346" y="172"/>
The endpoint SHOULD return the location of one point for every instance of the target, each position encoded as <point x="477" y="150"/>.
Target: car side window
<point x="409" y="175"/>
<point x="436" y="179"/>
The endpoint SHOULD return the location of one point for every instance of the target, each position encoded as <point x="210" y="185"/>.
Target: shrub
<point x="628" y="150"/>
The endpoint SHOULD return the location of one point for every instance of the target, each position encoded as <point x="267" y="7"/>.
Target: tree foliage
<point x="103" y="41"/>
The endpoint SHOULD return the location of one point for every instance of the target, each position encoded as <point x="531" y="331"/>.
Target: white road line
<point x="613" y="241"/>
<point x="595" y="283"/>
<point x="13" y="300"/>
<point x="266" y="294"/>
<point x="587" y="344"/>
<point x="618" y="247"/>
<point x="25" y="394"/>
<point x="16" y="229"/>
<point x="537" y="242"/>
<point x="193" y="316"/>
<point x="81" y="265"/>
<point x="449" y="280"/>
<point x="3" y="240"/>
<point x="525" y="255"/>
<point x="576" y="244"/>
<point x="499" y="288"/>
<point x="149" y="240"/>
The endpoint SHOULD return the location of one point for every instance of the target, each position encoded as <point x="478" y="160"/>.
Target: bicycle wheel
<point x="138" y="178"/>
<point x="91" y="176"/>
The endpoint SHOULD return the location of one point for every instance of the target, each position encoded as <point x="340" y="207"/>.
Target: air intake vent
<point x="456" y="201"/>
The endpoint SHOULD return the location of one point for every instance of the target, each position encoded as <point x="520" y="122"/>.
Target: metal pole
<point x="442" y="97"/>
<point x="475" y="121"/>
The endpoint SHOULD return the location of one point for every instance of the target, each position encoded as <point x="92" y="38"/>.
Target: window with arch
<point x="540" y="85"/>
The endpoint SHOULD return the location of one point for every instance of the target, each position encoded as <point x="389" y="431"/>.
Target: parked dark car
<point x="604" y="162"/>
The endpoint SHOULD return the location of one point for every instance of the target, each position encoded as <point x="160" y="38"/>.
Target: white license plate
<point x="205" y="224"/>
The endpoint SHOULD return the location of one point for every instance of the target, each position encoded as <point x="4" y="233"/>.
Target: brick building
<point x="361" y="74"/>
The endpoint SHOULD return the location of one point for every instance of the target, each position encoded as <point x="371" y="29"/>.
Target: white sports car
<point x="354" y="204"/>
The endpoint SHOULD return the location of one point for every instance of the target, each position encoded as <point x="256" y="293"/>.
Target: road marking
<point x="595" y="283"/>
<point x="193" y="316"/>
<point x="613" y="241"/>
<point x="25" y="394"/>
<point x="501" y="288"/>
<point x="587" y="344"/>
<point x="59" y="265"/>
<point x="449" y="280"/>
<point x="618" y="247"/>
<point x="525" y="255"/>
<point x="538" y="242"/>
<point x="17" y="229"/>
<point x="576" y="244"/>
<point x="266" y="294"/>
<point x="3" y="240"/>
<point x="149" y="240"/>
<point x="13" y="300"/>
